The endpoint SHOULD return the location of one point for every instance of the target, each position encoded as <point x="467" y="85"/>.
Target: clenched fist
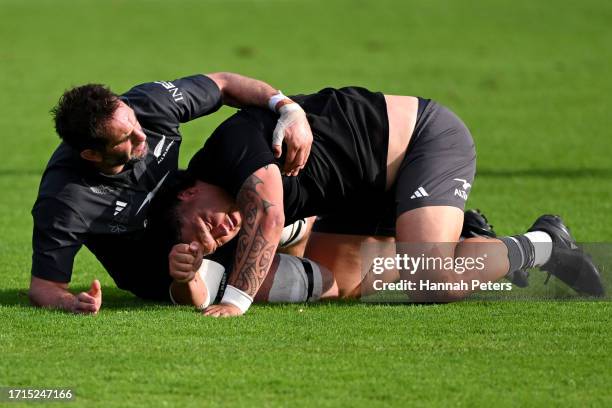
<point x="184" y="261"/>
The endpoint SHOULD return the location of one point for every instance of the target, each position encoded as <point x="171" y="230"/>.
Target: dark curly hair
<point x="81" y="116"/>
<point x="164" y="219"/>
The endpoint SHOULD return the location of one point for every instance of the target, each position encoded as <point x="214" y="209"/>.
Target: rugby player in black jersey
<point x="116" y="153"/>
<point x="374" y="158"/>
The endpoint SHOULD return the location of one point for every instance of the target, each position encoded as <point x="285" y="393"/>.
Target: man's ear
<point x="91" y="155"/>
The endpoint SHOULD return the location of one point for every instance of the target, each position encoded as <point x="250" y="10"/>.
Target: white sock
<point x="542" y="244"/>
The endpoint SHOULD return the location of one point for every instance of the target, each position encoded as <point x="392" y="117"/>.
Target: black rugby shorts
<point x="438" y="170"/>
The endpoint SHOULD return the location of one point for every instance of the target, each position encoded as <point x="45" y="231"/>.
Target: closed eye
<point x="122" y="140"/>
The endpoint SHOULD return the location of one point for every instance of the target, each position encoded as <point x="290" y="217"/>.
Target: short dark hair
<point x="164" y="219"/>
<point x="81" y="115"/>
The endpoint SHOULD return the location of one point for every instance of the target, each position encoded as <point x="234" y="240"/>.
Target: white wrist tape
<point x="211" y="273"/>
<point x="289" y="114"/>
<point x="288" y="108"/>
<point x="275" y="99"/>
<point x="236" y="297"/>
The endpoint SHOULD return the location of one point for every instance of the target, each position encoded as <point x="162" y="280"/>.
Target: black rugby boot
<point x="568" y="262"/>
<point x="519" y="278"/>
<point x="475" y="224"/>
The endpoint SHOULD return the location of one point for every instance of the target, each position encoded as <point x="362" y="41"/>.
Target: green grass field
<point x="531" y="79"/>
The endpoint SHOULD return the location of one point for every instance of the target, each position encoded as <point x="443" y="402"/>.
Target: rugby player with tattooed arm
<point x="116" y="153"/>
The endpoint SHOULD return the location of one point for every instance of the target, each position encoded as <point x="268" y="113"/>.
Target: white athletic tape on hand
<point x="236" y="297"/>
<point x="275" y="99"/>
<point x="211" y="273"/>
<point x="289" y="114"/>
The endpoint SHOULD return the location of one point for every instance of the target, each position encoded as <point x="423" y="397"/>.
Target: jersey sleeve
<point x="165" y="104"/>
<point x="237" y="148"/>
<point x="56" y="239"/>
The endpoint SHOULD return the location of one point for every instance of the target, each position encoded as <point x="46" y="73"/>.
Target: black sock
<point x="521" y="252"/>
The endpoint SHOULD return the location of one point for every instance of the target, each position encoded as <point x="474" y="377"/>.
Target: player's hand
<point x="222" y="310"/>
<point x="293" y="127"/>
<point x="184" y="261"/>
<point x="89" y="302"/>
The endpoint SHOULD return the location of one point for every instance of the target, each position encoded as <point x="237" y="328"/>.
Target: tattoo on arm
<point x="254" y="253"/>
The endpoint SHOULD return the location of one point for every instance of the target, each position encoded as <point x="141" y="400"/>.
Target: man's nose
<point x="139" y="135"/>
<point x="220" y="231"/>
<point x="205" y="238"/>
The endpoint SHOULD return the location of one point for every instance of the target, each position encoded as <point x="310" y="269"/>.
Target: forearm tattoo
<point x="254" y="253"/>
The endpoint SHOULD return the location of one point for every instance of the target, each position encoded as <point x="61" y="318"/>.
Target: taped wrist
<point x="275" y="99"/>
<point x="289" y="108"/>
<point x="211" y="273"/>
<point x="236" y="297"/>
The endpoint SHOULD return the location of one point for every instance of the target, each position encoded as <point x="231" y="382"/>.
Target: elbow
<point x="220" y="79"/>
<point x="274" y="221"/>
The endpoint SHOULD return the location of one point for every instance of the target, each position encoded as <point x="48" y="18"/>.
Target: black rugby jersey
<point x="347" y="163"/>
<point x="78" y="205"/>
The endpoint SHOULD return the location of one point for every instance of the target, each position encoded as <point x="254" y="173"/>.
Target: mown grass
<point x="529" y="78"/>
